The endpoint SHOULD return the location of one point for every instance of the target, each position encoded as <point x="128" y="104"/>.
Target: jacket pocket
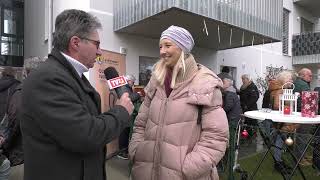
<point x="183" y="154"/>
<point x="214" y="174"/>
<point x="141" y="152"/>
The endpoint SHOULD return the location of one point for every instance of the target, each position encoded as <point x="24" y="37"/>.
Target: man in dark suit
<point x="64" y="132"/>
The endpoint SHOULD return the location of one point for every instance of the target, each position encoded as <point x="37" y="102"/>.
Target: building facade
<point x="133" y="28"/>
<point x="227" y="32"/>
<point x="299" y="46"/>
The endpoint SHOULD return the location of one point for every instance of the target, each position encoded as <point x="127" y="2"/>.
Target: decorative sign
<point x="117" y="82"/>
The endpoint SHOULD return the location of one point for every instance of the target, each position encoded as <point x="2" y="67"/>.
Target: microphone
<point x="119" y="83"/>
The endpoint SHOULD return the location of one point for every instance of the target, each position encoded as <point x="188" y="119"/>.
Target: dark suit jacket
<point x="64" y="133"/>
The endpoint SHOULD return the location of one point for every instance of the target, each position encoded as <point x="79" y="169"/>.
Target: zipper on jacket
<point x="159" y="139"/>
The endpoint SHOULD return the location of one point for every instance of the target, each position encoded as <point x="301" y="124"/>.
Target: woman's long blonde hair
<point x="160" y="70"/>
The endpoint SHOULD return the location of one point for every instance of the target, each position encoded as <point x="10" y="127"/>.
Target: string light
<point x="230" y="36"/>
<point x="205" y="27"/>
<point x="219" y="34"/>
<point x="242" y="38"/>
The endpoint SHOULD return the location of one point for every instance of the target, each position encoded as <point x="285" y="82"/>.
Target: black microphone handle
<point x="122" y="89"/>
<point x="132" y="95"/>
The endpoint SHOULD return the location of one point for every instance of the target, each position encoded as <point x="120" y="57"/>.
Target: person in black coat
<point x="64" y="132"/>
<point x="7" y="85"/>
<point x="124" y="136"/>
<point x="12" y="145"/>
<point x="249" y="95"/>
<point x="231" y="105"/>
<point x="231" y="102"/>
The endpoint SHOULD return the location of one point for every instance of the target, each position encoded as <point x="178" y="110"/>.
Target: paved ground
<point x="117" y="169"/>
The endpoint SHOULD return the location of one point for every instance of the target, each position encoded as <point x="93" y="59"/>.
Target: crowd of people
<point x="180" y="130"/>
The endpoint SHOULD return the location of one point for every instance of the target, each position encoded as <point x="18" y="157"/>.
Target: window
<point x="285" y="31"/>
<point x="145" y="69"/>
<point x="306" y="26"/>
<point x="11" y="33"/>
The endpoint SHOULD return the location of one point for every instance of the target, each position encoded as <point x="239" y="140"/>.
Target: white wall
<point x="101" y="5"/>
<point x="206" y="57"/>
<point x="60" y="5"/>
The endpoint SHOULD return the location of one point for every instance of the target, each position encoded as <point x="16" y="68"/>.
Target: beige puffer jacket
<point x="167" y="142"/>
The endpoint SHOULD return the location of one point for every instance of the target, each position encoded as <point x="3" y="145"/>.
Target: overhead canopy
<point x="220" y="35"/>
<point x="311" y="6"/>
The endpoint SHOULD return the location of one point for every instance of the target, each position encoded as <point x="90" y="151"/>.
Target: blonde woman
<point x="181" y="131"/>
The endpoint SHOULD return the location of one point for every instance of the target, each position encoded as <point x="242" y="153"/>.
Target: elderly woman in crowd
<point x="283" y="80"/>
<point x="249" y="94"/>
<point x="181" y="131"/>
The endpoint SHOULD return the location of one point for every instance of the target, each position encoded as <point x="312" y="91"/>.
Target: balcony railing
<point x="306" y="44"/>
<point x="306" y="48"/>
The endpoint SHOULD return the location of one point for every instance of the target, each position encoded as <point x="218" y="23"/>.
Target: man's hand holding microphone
<point x="125" y="101"/>
<point x="118" y="83"/>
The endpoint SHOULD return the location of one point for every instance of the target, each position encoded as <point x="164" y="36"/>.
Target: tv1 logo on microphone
<point x="117" y="82"/>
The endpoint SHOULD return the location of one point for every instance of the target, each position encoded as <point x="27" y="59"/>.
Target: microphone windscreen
<point x="110" y="73"/>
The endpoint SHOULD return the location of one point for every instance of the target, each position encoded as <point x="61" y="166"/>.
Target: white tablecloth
<point x="276" y="116"/>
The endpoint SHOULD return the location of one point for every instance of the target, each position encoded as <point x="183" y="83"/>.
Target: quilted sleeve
<point x="212" y="144"/>
<point x="141" y="121"/>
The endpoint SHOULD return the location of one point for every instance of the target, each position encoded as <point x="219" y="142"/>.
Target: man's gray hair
<point x="73" y="22"/>
<point x="303" y="72"/>
<point x="228" y="80"/>
<point x="130" y="77"/>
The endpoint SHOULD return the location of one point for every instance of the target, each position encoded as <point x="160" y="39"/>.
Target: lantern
<point x="288" y="100"/>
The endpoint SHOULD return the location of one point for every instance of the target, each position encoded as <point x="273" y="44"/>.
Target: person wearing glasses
<point x="64" y="131"/>
<point x="302" y="83"/>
